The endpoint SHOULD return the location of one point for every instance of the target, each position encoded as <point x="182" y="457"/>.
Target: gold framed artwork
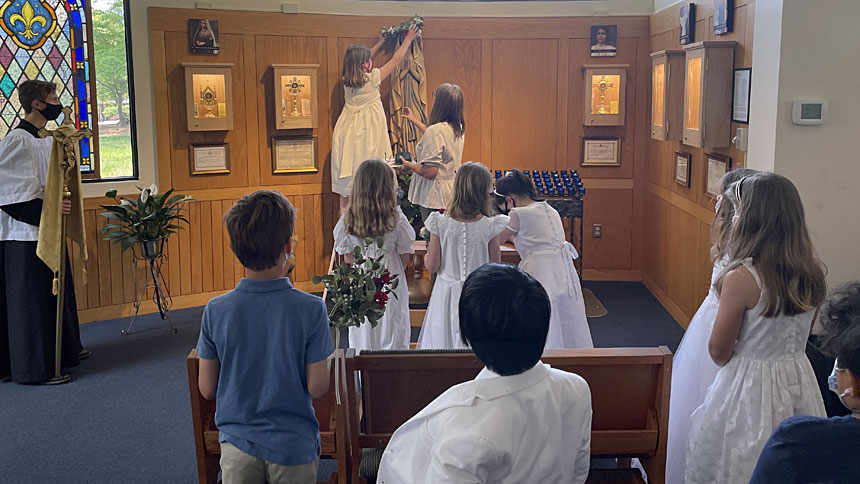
<point x="296" y="154"/>
<point x="683" y="164"/>
<point x="603" y="96"/>
<point x="295" y="96"/>
<point x="209" y="96"/>
<point x="209" y="159"/>
<point x="716" y="166"/>
<point x="601" y="152"/>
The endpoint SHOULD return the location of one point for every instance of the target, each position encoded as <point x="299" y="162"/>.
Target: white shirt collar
<point x="490" y="385"/>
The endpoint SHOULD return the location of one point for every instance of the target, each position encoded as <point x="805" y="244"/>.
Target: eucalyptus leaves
<point x="360" y="289"/>
<point x="150" y="217"/>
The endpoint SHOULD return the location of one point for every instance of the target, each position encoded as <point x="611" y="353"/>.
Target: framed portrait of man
<point x="604" y="39"/>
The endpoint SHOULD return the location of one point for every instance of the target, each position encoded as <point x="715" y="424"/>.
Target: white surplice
<point x="23" y="174"/>
<point x="534" y="427"/>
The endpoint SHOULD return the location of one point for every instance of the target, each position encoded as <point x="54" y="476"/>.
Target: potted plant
<point x="148" y="220"/>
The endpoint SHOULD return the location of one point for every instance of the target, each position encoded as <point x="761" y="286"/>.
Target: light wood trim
<point x="611" y="275"/>
<point x="606" y="183"/>
<point x="162" y="111"/>
<point x="689" y="206"/>
<point x="666" y="301"/>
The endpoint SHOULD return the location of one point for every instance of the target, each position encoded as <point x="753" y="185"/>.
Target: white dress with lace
<point x="393" y="330"/>
<point x="767" y="380"/>
<point x="693" y="371"/>
<point x="548" y="257"/>
<point x="464" y="249"/>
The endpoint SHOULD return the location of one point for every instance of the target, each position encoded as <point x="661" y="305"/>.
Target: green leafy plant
<point x="359" y="289"/>
<point x="150" y="217"/>
<point x="411" y="211"/>
<point x="395" y="30"/>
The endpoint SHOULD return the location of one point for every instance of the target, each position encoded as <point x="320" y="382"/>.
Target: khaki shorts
<point x="238" y="467"/>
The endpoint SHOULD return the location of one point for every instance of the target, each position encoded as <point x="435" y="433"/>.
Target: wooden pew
<point x="629" y="388"/>
<point x="329" y="413"/>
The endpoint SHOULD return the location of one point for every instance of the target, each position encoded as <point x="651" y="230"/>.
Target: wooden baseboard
<point x="624" y="275"/>
<point x="666" y="301"/>
<point x="148" y="307"/>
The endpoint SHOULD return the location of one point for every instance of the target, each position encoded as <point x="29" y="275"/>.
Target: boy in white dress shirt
<point x="518" y="421"/>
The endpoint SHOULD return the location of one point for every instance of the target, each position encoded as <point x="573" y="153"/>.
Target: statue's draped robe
<point x="409" y="89"/>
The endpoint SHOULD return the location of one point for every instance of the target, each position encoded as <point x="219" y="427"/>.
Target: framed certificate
<point x="210" y="159"/>
<point x="741" y="95"/>
<point x="717" y="166"/>
<point x="601" y="151"/>
<point x="683" y="163"/>
<point x="294" y="155"/>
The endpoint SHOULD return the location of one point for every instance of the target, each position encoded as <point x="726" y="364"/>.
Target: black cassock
<point x="28" y="306"/>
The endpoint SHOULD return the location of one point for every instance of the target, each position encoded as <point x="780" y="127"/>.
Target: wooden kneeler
<point x="329" y="414"/>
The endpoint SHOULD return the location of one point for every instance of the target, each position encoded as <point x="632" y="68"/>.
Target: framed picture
<point x="723" y="16"/>
<point x="688" y="23"/>
<point x="717" y="166"/>
<point x="604" y="39"/>
<point x="741" y="95"/>
<point x="601" y="151"/>
<point x="210" y="159"/>
<point x="294" y="155"/>
<point x="203" y="36"/>
<point x="683" y="163"/>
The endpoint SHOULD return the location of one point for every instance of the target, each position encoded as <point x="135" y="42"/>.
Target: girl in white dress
<point x="439" y="152"/>
<point x="372" y="211"/>
<point x="361" y="131"/>
<point x="461" y="240"/>
<point x="539" y="238"/>
<point x="693" y="370"/>
<point x="768" y="293"/>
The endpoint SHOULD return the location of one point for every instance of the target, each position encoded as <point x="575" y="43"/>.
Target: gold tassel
<point x="56" y="287"/>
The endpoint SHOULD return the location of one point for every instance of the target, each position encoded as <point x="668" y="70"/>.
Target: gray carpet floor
<point x="126" y="417"/>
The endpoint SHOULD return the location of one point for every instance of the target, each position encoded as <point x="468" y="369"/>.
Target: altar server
<point x="539" y="238"/>
<point x="372" y="211"/>
<point x="461" y="240"/>
<point x="27" y="303"/>
<point x="519" y="421"/>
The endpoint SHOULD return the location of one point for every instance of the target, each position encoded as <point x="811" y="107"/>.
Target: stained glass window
<point x="52" y="40"/>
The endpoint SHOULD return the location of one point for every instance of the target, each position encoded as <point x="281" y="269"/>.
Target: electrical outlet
<point x="597" y="231"/>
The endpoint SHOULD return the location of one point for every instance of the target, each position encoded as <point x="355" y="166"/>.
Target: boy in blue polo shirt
<point x="263" y="353"/>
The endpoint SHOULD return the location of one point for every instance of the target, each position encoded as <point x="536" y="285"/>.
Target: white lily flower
<point x="124" y="203"/>
<point x="153" y="189"/>
<point x="144" y="195"/>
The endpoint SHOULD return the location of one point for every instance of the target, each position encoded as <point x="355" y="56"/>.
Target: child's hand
<point x="414" y="31"/>
<point x="405" y="112"/>
<point x="404" y="168"/>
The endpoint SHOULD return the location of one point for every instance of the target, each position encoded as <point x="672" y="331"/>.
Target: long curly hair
<point x="372" y="207"/>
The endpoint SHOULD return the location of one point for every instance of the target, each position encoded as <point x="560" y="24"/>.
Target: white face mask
<point x="833" y="384"/>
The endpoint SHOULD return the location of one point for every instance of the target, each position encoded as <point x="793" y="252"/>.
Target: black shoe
<point x="57" y="380"/>
<point x="84" y="354"/>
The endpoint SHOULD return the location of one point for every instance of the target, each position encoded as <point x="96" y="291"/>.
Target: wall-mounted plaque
<point x="683" y="164"/>
<point x="601" y="151"/>
<point x="295" y="96"/>
<point x="717" y="166"/>
<point x="294" y="155"/>
<point x="209" y="96"/>
<point x="210" y="159"/>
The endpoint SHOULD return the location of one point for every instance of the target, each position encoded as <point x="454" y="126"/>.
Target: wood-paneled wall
<point x="522" y="83"/>
<point x="677" y="268"/>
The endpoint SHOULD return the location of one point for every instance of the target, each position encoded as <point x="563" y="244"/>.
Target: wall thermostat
<point x="808" y="112"/>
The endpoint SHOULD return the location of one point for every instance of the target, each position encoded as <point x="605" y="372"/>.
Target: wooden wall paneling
<point x="174" y="255"/>
<point x="303" y="225"/>
<point x="127" y="277"/>
<point x="238" y="268"/>
<point x="77" y="264"/>
<point x="116" y="274"/>
<point x="227" y="254"/>
<point x="642" y="138"/>
<point x="613" y="209"/>
<point x="162" y="109"/>
<point x="318" y="249"/>
<point x="486" y="132"/>
<point x="704" y="266"/>
<point x="196" y="248"/>
<point x="682" y="258"/>
<point x="180" y="139"/>
<point x="206" y="245"/>
<point x="657" y="239"/>
<point x="524" y="103"/>
<point x="290" y="50"/>
<point x="458" y="61"/>
<point x="332" y="84"/>
<point x="562" y="160"/>
<point x="580" y="54"/>
<point x="185" y="256"/>
<point x="251" y="107"/>
<point x="92" y="259"/>
<point x="104" y="281"/>
<point x="218" y="247"/>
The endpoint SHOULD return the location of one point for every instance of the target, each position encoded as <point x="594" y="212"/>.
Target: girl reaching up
<point x="693" y="370"/>
<point x="461" y="240"/>
<point x="372" y="211"/>
<point x="768" y="293"/>
<point x="361" y="131"/>
<point x="546" y="255"/>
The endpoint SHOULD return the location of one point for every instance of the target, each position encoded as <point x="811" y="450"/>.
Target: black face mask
<point x="51" y="111"/>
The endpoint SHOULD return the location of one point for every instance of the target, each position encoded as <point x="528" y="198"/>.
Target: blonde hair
<point x="471" y="193"/>
<point x="372" y="207"/>
<point x="353" y="73"/>
<point x="771" y="229"/>
<point x="721" y="227"/>
<point x="448" y="108"/>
